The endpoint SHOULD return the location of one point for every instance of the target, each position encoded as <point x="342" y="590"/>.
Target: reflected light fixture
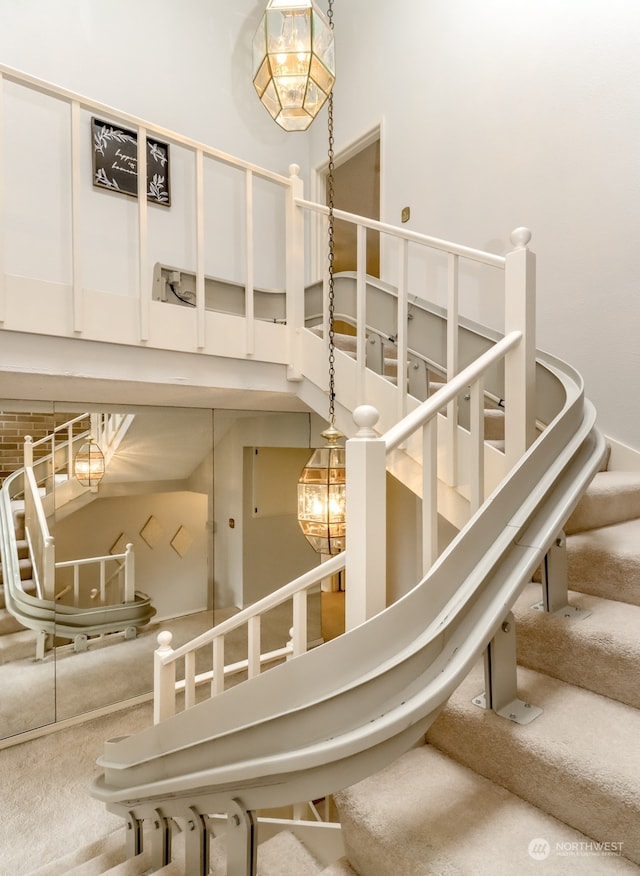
<point x="294" y="61"/>
<point x="88" y="466"/>
<point x="322" y="485"/>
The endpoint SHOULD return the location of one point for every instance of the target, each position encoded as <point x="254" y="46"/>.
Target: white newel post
<point x="28" y="451"/>
<point x="366" y="561"/>
<point x="295" y="271"/>
<point x="520" y="373"/>
<point x="129" y="575"/>
<point x="164" y="680"/>
<point x="49" y="568"/>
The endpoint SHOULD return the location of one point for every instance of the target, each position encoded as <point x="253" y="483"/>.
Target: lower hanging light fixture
<point x="294" y="61"/>
<point x="322" y="496"/>
<point x="88" y="466"/>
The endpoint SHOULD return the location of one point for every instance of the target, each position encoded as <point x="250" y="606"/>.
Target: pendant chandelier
<point x="294" y="61"/>
<point x="88" y="466"/>
<point x="322" y="484"/>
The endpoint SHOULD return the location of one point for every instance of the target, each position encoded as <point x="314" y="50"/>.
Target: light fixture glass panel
<point x="262" y="78"/>
<point x="323" y="44"/>
<point x="259" y="46"/>
<point x="294" y="120"/>
<point x="314" y="99"/>
<point x="291" y="91"/>
<point x="270" y="100"/>
<point x="320" y="75"/>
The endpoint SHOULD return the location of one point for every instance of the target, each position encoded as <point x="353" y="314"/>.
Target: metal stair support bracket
<point x="500" y="678"/>
<point x="160" y="840"/>
<point x="555" y="587"/>
<point x="196" y="844"/>
<point x="242" y="842"/>
<point x="134" y="842"/>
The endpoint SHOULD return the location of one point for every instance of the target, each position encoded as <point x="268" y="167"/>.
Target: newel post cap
<point x="365" y="417"/>
<point x="521" y="237"/>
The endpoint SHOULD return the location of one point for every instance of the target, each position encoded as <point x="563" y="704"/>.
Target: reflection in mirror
<point x="107" y="567"/>
<point x="28" y="698"/>
<point x="132" y="554"/>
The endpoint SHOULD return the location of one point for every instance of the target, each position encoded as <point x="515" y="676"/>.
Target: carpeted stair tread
<point x="573" y="761"/>
<point x="494" y="424"/>
<point x="19" y="644"/>
<point x="600" y="653"/>
<point x="281" y="855"/>
<point x="605" y="562"/>
<point x="114" y="863"/>
<point x="612" y="497"/>
<point x="112" y="842"/>
<point x="339" y="868"/>
<point x="26" y="570"/>
<point x="427" y="814"/>
<point x="8" y="624"/>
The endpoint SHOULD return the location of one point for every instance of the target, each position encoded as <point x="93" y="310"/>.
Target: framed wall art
<point x="115" y="162"/>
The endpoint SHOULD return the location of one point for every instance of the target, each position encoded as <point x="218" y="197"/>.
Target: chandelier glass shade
<point x="293" y="62"/>
<point x="88" y="466"/>
<point x="322" y="497"/>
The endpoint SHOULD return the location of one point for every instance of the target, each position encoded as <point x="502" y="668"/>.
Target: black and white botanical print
<point x="115" y="163"/>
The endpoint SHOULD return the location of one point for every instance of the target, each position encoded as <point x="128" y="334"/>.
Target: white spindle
<point x="299" y="622"/>
<point x="200" y="251"/>
<point x="429" y="493"/>
<point x="249" y="267"/>
<point x="189" y="679"/>
<point x="450" y="470"/>
<point x="217" y="682"/>
<point x="361" y="309"/>
<point x="164" y="680"/>
<point x="294" y="270"/>
<point x="476" y="440"/>
<point x="143" y="235"/>
<point x="253" y="646"/>
<point x="103" y="586"/>
<point x="76" y="218"/>
<point x="76" y="584"/>
<point x="403" y="325"/>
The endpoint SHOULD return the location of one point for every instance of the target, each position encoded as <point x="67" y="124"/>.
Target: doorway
<point x="356" y="190"/>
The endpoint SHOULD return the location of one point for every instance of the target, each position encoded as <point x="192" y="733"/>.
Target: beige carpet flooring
<point x="45" y="807"/>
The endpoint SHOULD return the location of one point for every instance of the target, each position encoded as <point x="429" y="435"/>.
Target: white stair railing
<point x="166" y="658"/>
<point x="107" y="428"/>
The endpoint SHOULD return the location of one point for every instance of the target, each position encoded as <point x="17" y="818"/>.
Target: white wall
<point x="185" y="66"/>
<point x="499" y="114"/>
<point x="237" y="579"/>
<point x="177" y="584"/>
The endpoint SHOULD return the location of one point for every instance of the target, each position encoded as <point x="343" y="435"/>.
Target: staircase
<point x="487" y="796"/>
<point x="17" y="642"/>
<point x="281" y="855"/>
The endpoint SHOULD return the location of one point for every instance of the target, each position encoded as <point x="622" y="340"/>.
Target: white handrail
<point x="165" y="685"/>
<point x="398" y="434"/>
<point x="477" y="255"/>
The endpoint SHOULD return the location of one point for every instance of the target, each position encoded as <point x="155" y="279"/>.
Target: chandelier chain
<point x="331" y="247"/>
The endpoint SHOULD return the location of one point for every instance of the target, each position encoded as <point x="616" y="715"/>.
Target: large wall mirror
<point x="176" y="509"/>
